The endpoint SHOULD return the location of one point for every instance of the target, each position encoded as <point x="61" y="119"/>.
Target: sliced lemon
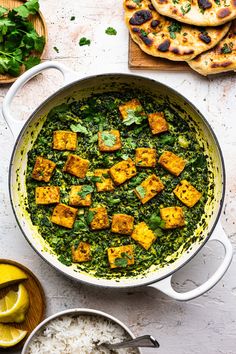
<point x="14" y="305"/>
<point x="10" y="274"/>
<point x="10" y="336"/>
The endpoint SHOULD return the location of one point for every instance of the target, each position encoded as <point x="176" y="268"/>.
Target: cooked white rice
<point x="78" y="335"/>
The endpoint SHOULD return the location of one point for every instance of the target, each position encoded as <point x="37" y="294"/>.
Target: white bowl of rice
<point x="78" y="331"/>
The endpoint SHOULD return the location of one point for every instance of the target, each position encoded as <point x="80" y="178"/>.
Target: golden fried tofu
<point x="149" y="188"/>
<point x="130" y="108"/>
<point x="145" y="157"/>
<point x="122" y="171"/>
<point x="157" y="123"/>
<point x="100" y="219"/>
<point x="81" y="253"/>
<point x="47" y="195"/>
<point x="187" y="193"/>
<point x="173" y="217"/>
<point x="64" y="140"/>
<point x="109" y="140"/>
<point x="122" y="224"/>
<point x="76" y="166"/>
<point x="120" y="256"/>
<point x="64" y="215"/>
<point x="172" y="163"/>
<point x="76" y="199"/>
<point x="43" y="169"/>
<point x="143" y="235"/>
<point x="106" y="184"/>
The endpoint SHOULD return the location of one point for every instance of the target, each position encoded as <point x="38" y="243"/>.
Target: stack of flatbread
<point x="200" y="32"/>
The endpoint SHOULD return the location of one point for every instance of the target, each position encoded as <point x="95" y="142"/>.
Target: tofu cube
<point x="149" y="188"/>
<point x="81" y="253"/>
<point x="172" y="163"/>
<point x="173" y="217"/>
<point x="64" y="140"/>
<point x="131" y="108"/>
<point x="64" y="215"/>
<point x="157" y="123"/>
<point x="43" y="169"/>
<point x="47" y="195"/>
<point x="122" y="171"/>
<point x="187" y="193"/>
<point x="109" y="140"/>
<point x="122" y="256"/>
<point x="143" y="235"/>
<point x="122" y="224"/>
<point x="106" y="184"/>
<point x="76" y="199"/>
<point x="76" y="166"/>
<point x="100" y="219"/>
<point x="145" y="157"/>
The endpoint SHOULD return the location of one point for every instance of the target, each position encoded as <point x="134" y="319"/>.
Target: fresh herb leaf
<point x="72" y="18"/>
<point x="111" y="31"/>
<point x="31" y="7"/>
<point x="138" y="2"/>
<point x="124" y="157"/>
<point x="226" y="49"/>
<point x="217" y="2"/>
<point x="80" y="225"/>
<point x="143" y="33"/>
<point x="167" y="139"/>
<point x="121" y="262"/>
<point x="156" y="222"/>
<point x="125" y="254"/>
<point x="3" y="11"/>
<point x="85" y="190"/>
<point x="95" y="179"/>
<point x="141" y="191"/>
<point x="173" y="28"/>
<point x="84" y="41"/>
<point x="185" y="8"/>
<point x="113" y="201"/>
<point x="56" y="49"/>
<point x="78" y="128"/>
<point x="90" y="216"/>
<point x="31" y="61"/>
<point x="108" y="139"/>
<point x="134" y="116"/>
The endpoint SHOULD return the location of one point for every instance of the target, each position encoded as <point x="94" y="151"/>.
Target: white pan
<point x="25" y="134"/>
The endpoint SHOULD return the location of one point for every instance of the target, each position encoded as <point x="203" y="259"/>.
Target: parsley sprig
<point x="19" y="41"/>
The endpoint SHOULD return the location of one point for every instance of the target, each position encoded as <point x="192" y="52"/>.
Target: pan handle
<point x="165" y="284"/>
<point x="16" y="125"/>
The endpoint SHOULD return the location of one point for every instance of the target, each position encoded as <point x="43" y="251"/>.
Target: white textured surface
<point x="204" y="325"/>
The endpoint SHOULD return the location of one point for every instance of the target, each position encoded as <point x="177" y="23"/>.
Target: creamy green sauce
<point x="97" y="113"/>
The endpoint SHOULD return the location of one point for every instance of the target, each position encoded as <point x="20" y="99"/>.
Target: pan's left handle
<point x="14" y="124"/>
<point x="166" y="287"/>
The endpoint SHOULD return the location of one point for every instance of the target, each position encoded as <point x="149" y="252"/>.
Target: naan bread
<point x="220" y="58"/>
<point x="160" y="36"/>
<point x="198" y="12"/>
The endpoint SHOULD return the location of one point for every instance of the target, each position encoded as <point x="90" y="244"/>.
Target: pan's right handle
<point x="14" y="124"/>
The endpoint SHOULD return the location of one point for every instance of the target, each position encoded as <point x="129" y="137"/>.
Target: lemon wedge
<point x="14" y="305"/>
<point x="10" y="274"/>
<point x="10" y="336"/>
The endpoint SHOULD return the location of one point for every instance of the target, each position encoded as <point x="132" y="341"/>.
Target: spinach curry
<point x="124" y="170"/>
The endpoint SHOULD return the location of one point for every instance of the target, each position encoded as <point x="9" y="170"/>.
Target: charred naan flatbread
<point x="198" y="12"/>
<point x="160" y="36"/>
<point x="220" y="58"/>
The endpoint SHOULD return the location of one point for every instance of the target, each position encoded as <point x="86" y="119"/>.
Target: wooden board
<point x="37" y="307"/>
<point x="140" y="60"/>
<point x="39" y="25"/>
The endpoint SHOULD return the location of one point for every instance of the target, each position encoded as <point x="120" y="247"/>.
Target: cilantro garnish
<point x="108" y="139"/>
<point x="123" y="260"/>
<point x="185" y="8"/>
<point x="18" y="38"/>
<point x="137" y="2"/>
<point x="84" y="41"/>
<point x="141" y="191"/>
<point x="85" y="190"/>
<point x="78" y="128"/>
<point x="90" y="216"/>
<point x="134" y="116"/>
<point x="111" y="31"/>
<point x="173" y="28"/>
<point x="143" y="33"/>
<point x="227" y="48"/>
<point x="72" y="18"/>
<point x="156" y="222"/>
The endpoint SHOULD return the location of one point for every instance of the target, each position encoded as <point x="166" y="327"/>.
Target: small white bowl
<point x="76" y="311"/>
